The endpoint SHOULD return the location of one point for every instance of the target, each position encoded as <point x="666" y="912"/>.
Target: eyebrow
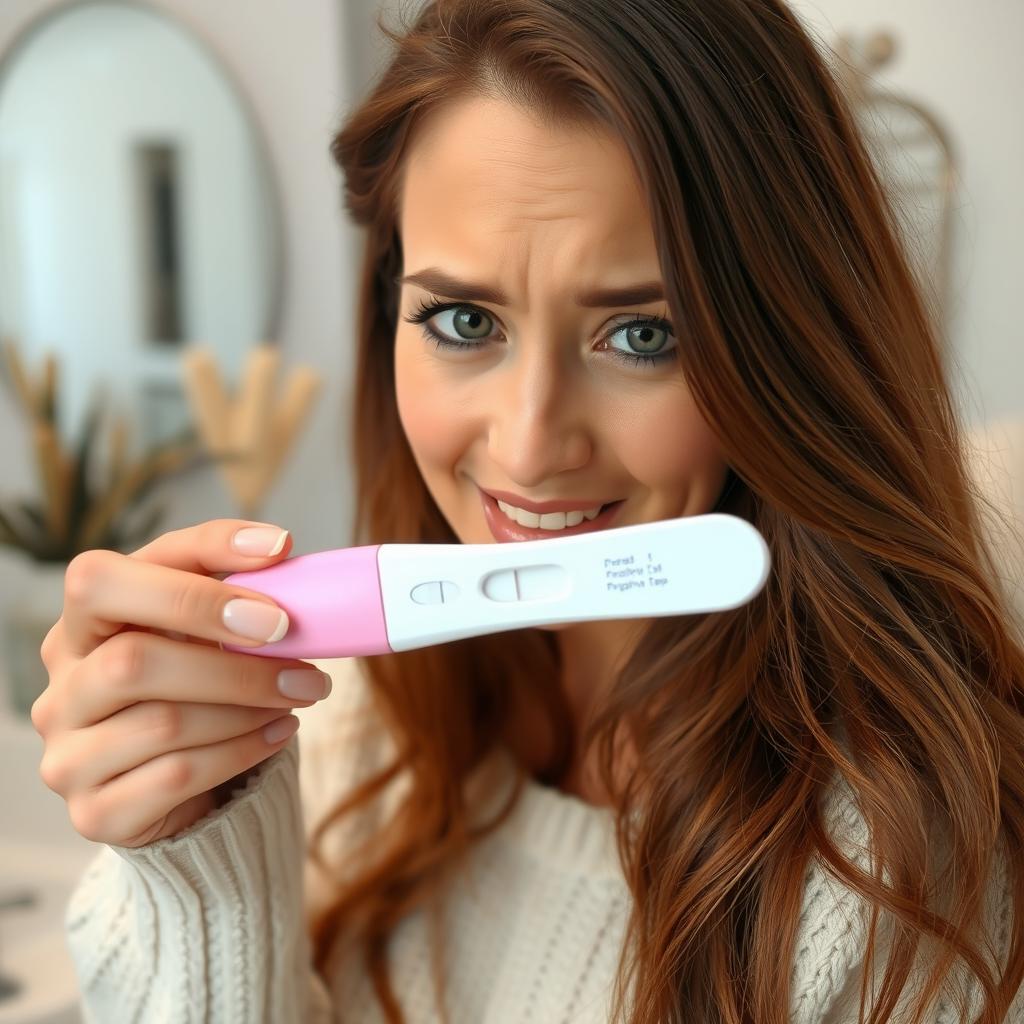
<point x="436" y="280"/>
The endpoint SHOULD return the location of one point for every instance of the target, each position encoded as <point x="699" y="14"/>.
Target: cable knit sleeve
<point x="210" y="924"/>
<point x="832" y="940"/>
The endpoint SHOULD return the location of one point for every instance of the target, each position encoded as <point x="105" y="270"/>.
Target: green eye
<point x="643" y="332"/>
<point x="643" y="335"/>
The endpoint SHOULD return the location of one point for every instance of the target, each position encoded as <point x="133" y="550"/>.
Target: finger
<point x="135" y="667"/>
<point x="129" y="805"/>
<point x="87" y="758"/>
<point x="200" y="550"/>
<point x="108" y="591"/>
<point x="208" y="548"/>
<point x="170" y="634"/>
<point x="54" y="654"/>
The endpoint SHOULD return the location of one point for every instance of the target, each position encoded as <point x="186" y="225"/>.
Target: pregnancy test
<point x="386" y="598"/>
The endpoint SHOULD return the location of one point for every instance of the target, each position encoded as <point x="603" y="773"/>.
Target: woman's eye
<point x="466" y="323"/>
<point x="643" y="338"/>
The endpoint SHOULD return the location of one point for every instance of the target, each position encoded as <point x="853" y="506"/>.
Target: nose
<point x="538" y="426"/>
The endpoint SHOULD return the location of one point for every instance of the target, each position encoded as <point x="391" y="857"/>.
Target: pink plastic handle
<point x="333" y="600"/>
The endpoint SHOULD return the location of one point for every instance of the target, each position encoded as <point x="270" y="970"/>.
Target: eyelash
<point x="430" y="309"/>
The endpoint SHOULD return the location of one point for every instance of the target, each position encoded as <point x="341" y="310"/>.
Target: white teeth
<point x="549" y="520"/>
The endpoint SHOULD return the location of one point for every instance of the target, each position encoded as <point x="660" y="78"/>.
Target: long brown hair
<point x="812" y="353"/>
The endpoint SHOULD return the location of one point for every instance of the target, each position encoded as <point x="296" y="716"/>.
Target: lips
<point x="505" y="530"/>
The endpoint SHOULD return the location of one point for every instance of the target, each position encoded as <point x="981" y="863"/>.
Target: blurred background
<point x="177" y="280"/>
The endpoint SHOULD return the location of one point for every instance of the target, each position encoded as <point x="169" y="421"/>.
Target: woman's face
<point x="548" y="400"/>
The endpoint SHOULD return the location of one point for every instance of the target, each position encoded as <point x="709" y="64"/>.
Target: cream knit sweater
<point x="209" y="925"/>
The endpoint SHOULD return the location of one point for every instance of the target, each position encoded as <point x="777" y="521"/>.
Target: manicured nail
<point x="280" y="728"/>
<point x="256" y="620"/>
<point x="304" y="683"/>
<point x="260" y="540"/>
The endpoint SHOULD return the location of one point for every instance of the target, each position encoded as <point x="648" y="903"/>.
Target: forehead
<point x="483" y="177"/>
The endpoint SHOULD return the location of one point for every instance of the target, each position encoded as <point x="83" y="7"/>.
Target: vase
<point x="36" y="605"/>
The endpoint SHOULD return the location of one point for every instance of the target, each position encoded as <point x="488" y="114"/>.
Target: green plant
<point x="78" y="513"/>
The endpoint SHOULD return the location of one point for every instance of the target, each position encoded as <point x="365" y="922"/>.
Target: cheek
<point x="666" y="444"/>
<point x="429" y="418"/>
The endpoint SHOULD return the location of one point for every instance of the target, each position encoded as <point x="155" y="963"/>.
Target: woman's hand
<point x="145" y="716"/>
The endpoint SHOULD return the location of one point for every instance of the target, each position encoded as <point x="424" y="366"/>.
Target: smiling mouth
<point x="536" y="520"/>
<point x="504" y="528"/>
<point x="545" y="507"/>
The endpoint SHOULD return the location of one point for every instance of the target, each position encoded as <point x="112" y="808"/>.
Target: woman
<point x="809" y="808"/>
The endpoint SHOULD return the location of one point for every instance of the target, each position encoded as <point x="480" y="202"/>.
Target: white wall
<point x="288" y="62"/>
<point x="963" y="62"/>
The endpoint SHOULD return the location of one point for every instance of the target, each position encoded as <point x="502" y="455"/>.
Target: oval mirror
<point x="138" y="210"/>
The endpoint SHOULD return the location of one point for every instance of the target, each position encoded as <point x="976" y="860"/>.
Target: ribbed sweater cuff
<point x="205" y="925"/>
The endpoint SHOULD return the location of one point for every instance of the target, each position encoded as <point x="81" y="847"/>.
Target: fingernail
<point x="304" y="683"/>
<point x="256" y="620"/>
<point x="259" y="540"/>
<point x="280" y="728"/>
